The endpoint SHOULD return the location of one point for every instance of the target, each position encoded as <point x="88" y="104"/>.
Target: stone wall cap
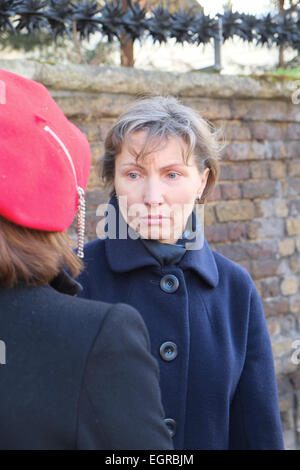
<point x="138" y="82"/>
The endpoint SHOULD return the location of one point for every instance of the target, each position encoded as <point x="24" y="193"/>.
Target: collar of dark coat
<point x="65" y="284"/>
<point x="128" y="254"/>
<point x="62" y="282"/>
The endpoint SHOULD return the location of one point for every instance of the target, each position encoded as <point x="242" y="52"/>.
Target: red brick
<point x="269" y="288"/>
<point x="236" y="151"/>
<point x="244" y="250"/>
<point x="295" y="305"/>
<point x="246" y="265"/>
<point x="259" y="170"/>
<point x="259" y="189"/>
<point x="291" y="187"/>
<point x="234" y="211"/>
<point x="233" y="251"/>
<point x="266" y="268"/>
<point x="230" y="191"/>
<point x="294" y="205"/>
<point x="216" y="233"/>
<point x="261" y="250"/>
<point x="252" y="230"/>
<point x="271" y="228"/>
<point x="234" y="130"/>
<point x="292" y="148"/>
<point x="261" y="130"/>
<point x="234" y="171"/>
<point x="293" y="132"/>
<point x="215" y="195"/>
<point x="295" y="263"/>
<point x="277" y="170"/>
<point x="294" y="166"/>
<point x="273" y="326"/>
<point x="260" y="110"/>
<point x="274" y="307"/>
<point x="236" y="230"/>
<point x="278" y="149"/>
<point x="208" y="108"/>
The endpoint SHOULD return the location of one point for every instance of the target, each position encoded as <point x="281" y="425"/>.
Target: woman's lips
<point x="154" y="219"/>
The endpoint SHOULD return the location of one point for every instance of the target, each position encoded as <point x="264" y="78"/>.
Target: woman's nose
<point x="153" y="193"/>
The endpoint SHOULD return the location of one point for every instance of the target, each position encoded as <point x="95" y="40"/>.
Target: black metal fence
<point x="59" y="16"/>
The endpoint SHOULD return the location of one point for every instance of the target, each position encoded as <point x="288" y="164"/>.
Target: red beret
<point x="44" y="158"/>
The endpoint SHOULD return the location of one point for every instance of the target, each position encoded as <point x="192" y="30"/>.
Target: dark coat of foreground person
<point x="78" y="375"/>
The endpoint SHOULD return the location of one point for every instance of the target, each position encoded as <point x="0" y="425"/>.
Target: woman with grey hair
<point x="202" y="310"/>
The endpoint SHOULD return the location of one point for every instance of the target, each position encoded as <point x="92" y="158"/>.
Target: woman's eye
<point x="172" y="175"/>
<point x="132" y="175"/>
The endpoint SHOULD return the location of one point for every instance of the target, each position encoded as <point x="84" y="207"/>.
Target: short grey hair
<point x="162" y="117"/>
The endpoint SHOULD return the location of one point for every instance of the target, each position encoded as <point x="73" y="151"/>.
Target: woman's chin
<point x="151" y="233"/>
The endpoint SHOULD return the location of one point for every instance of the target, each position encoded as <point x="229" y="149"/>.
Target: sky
<point x="254" y="7"/>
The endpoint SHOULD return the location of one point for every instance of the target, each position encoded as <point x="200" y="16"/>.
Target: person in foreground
<point x="202" y="310"/>
<point x="74" y="373"/>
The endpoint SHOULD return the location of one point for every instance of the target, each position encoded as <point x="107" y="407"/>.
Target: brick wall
<point x="252" y="217"/>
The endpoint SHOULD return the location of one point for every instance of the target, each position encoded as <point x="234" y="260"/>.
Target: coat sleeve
<point x="120" y="404"/>
<point x="254" y="415"/>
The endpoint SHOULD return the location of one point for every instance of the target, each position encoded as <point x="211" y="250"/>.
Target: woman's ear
<point x="204" y="178"/>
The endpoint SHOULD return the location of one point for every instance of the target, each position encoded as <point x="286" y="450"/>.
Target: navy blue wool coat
<point x="217" y="379"/>
<point x="75" y="374"/>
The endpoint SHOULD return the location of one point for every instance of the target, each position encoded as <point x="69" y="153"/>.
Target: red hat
<point x="44" y="158"/>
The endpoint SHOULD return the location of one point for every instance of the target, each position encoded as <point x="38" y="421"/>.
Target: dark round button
<point x="168" y="351"/>
<point x="169" y="283"/>
<point x="171" y="424"/>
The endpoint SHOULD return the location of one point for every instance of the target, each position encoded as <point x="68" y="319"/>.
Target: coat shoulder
<point x="232" y="271"/>
<point x="68" y="325"/>
<point x="87" y="316"/>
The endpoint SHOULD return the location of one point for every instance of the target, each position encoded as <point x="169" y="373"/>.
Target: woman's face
<point x="157" y="194"/>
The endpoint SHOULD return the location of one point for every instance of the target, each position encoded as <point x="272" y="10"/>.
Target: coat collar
<point x="65" y="284"/>
<point x="126" y="255"/>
